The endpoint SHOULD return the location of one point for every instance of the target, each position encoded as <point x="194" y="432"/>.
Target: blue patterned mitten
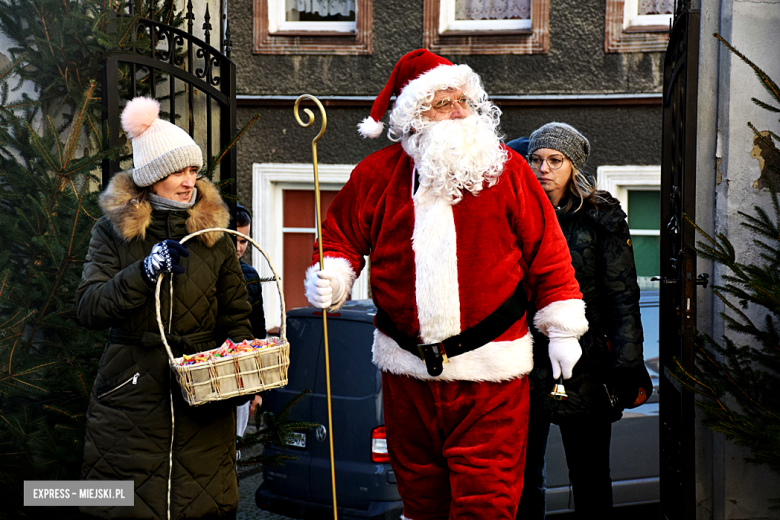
<point x="164" y="258"/>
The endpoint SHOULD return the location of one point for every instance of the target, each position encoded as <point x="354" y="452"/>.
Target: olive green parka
<point x="603" y="261"/>
<point x="181" y="458"/>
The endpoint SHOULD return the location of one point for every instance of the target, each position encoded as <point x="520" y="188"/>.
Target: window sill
<point x="646" y="29"/>
<point x="314" y="34"/>
<point x="506" y="32"/>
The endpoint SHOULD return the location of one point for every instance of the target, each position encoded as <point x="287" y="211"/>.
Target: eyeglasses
<point x="554" y="162"/>
<point x="447" y="105"/>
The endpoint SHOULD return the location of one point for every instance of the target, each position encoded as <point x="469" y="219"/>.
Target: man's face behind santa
<point x="457" y="154"/>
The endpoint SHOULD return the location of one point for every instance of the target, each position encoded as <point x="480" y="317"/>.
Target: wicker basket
<point x="239" y="374"/>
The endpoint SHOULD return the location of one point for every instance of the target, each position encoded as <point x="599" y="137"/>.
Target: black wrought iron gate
<point x="194" y="82"/>
<point x="678" y="265"/>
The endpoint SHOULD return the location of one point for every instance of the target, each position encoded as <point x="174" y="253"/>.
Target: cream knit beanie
<point x="159" y="147"/>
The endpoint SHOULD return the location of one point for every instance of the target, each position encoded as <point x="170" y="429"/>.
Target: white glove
<point x="564" y="351"/>
<point x="323" y="288"/>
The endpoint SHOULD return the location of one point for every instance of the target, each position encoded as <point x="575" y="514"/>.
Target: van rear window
<point x="351" y="370"/>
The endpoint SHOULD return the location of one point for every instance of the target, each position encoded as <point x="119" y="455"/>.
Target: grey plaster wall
<point x="619" y="136"/>
<point x="754" y="29"/>
<point x="727" y="486"/>
<point x="576" y="62"/>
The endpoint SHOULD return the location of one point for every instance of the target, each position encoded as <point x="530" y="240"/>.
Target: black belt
<point x="150" y="339"/>
<point x="435" y="354"/>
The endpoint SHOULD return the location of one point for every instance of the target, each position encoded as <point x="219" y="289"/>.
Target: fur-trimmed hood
<point x="131" y="218"/>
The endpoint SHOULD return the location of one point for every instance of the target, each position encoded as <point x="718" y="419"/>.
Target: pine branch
<point x="765" y="80"/>
<point x="212" y="167"/>
<point x="765" y="106"/>
<point x="77" y="126"/>
<point x="761" y="136"/>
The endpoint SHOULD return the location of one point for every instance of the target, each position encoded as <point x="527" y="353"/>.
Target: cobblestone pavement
<point x="247" y="509"/>
<point x="249" y="479"/>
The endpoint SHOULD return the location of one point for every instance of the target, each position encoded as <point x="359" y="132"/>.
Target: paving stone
<point x="249" y="479"/>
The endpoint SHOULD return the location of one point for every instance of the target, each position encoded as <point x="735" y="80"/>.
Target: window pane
<point x="644" y="209"/>
<point x="646" y="252"/>
<point x="656" y="7"/>
<point x="326" y="199"/>
<point x="492" y="9"/>
<point x="320" y="11"/>
<point x="298" y="208"/>
<point x="298" y="249"/>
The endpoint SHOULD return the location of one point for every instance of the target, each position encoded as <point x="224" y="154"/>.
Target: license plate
<point x="297" y="440"/>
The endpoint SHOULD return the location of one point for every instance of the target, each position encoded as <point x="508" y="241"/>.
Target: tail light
<point x="379" y="445"/>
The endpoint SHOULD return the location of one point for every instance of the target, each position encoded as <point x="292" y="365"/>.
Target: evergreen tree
<point x="51" y="148"/>
<point x="740" y="382"/>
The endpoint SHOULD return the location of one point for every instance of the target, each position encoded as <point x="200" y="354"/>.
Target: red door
<point x="299" y="229"/>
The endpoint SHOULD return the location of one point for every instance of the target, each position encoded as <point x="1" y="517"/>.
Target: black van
<point x="365" y="482"/>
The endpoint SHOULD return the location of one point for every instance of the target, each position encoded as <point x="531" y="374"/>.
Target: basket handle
<point x="282" y="329"/>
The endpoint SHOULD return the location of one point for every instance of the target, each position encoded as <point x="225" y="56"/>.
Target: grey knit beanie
<point x="159" y="147"/>
<point x="564" y="138"/>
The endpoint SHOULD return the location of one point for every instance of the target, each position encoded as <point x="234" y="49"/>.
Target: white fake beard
<point x="456" y="154"/>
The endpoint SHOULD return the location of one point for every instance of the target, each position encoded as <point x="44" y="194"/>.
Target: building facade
<point x="594" y="65"/>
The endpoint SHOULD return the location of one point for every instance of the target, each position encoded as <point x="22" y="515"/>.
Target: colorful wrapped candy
<point x="228" y="348"/>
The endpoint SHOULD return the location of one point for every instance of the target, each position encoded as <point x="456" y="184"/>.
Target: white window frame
<point x="632" y="18"/>
<point x="619" y="180"/>
<point x="277" y="22"/>
<point x="269" y="180"/>
<point x="448" y="23"/>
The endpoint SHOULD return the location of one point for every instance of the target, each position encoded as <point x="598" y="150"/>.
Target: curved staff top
<point x="319" y="243"/>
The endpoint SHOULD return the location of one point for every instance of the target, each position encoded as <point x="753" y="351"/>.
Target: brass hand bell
<point x="559" y="392"/>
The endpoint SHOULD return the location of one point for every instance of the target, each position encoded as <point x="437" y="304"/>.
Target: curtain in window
<point x="656" y="7"/>
<point x="322" y="7"/>
<point x="493" y="9"/>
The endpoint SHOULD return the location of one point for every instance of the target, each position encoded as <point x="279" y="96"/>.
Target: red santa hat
<point x="413" y="67"/>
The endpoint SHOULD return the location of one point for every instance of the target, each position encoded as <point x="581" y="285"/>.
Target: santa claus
<point x="460" y="236"/>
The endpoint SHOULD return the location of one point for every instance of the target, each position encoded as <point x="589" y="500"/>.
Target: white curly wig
<point x="451" y="155"/>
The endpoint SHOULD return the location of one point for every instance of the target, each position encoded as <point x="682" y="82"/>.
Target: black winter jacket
<point x="255" y="290"/>
<point x="612" y="362"/>
<point x="139" y="428"/>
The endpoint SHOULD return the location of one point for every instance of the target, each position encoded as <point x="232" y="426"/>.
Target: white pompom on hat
<point x="412" y="66"/>
<point x="159" y="147"/>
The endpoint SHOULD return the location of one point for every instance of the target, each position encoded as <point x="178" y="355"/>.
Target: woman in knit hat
<point x="181" y="458"/>
<point x="611" y="375"/>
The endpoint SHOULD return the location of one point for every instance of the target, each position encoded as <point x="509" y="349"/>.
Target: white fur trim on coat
<point x="563" y="316"/>
<point x="370" y="128"/>
<point x="346" y="275"/>
<point x="495" y="362"/>
<point x="436" y="267"/>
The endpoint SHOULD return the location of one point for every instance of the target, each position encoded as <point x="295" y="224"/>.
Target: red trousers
<point x="457" y="448"/>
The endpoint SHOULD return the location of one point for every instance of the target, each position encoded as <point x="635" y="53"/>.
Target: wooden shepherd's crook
<point x="319" y="244"/>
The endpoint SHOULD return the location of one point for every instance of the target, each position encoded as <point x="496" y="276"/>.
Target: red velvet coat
<point x="438" y="268"/>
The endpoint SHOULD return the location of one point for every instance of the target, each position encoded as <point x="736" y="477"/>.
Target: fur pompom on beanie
<point x="159" y="147"/>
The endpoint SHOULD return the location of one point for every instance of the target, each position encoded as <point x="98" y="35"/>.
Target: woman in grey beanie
<point x="138" y="427"/>
<point x="611" y="375"/>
